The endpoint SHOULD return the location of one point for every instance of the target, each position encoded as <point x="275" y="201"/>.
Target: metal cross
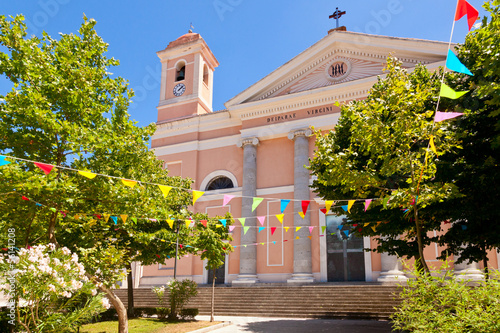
<point x="336" y="15"/>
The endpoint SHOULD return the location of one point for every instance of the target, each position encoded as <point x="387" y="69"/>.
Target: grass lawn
<point x="146" y="325"/>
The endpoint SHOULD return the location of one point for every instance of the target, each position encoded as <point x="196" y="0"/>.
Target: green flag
<point x="450" y="93"/>
<point x="256" y="202"/>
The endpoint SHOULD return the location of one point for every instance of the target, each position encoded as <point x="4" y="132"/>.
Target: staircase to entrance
<point x="353" y="301"/>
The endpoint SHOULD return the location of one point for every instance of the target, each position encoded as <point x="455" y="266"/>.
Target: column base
<point x="246" y="279"/>
<point x="472" y="274"/>
<point x="393" y="276"/>
<point x="301" y="278"/>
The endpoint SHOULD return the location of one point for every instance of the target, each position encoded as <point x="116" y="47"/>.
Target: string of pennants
<point x="47" y="168"/>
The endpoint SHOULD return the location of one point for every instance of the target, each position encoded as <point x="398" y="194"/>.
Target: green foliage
<point x="50" y="288"/>
<point x="179" y="294"/>
<point x="189" y="314"/>
<point x="443" y="303"/>
<point x="378" y="150"/>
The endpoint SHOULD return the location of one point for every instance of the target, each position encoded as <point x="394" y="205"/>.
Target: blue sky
<point x="250" y="38"/>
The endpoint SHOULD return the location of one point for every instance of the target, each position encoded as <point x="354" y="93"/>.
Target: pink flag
<point x="227" y="198"/>
<point x="261" y="219"/>
<point x="367" y="203"/>
<point x="311" y="230"/>
<point x="45" y="167"/>
<point x="440" y="116"/>
<point x="465" y="8"/>
<point x="231" y="228"/>
<point x="273" y="229"/>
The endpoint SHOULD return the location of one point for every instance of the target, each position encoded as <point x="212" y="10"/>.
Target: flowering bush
<point x="48" y="289"/>
<point x="179" y="294"/>
<point x="161" y="311"/>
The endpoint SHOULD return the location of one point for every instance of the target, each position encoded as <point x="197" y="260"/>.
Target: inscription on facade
<point x="282" y="118"/>
<point x="292" y="116"/>
<point x="325" y="109"/>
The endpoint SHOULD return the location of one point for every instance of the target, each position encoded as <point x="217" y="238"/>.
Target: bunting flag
<point x="286" y="229"/>
<point x="280" y="217"/>
<point x="328" y="205"/>
<point x="124" y="218"/>
<point x="344" y="208"/>
<point x="3" y="161"/>
<point x="261" y="220"/>
<point x="305" y="204"/>
<point x="53" y="209"/>
<point x="310" y="230"/>
<point x="227" y="198"/>
<point x="284" y="203"/>
<point x="242" y="221"/>
<point x="301" y="214"/>
<point x="106" y="217"/>
<point x="323" y="228"/>
<point x="87" y="174"/>
<point x="256" y="202"/>
<point x="465" y="8"/>
<point x="433" y="147"/>
<point x="297" y="237"/>
<point x="366" y="224"/>
<point x="346" y="232"/>
<point x="204" y="223"/>
<point x="197" y="195"/>
<point x="231" y="228"/>
<point x="170" y="224"/>
<point x="323" y="210"/>
<point x="188" y="223"/>
<point x="367" y="203"/>
<point x="46" y="168"/>
<point x="115" y="219"/>
<point x="165" y="190"/>
<point x="24" y="198"/>
<point x="340" y="227"/>
<point x="134" y="219"/>
<point x="129" y="183"/>
<point x="454" y="64"/>
<point x="273" y="229"/>
<point x="450" y="93"/>
<point x="245" y="229"/>
<point x="223" y="221"/>
<point x="218" y="225"/>
<point x="349" y="205"/>
<point x="440" y="116"/>
<point x="464" y="227"/>
<point x="374" y="229"/>
<point x="297" y="229"/>
<point x="261" y="228"/>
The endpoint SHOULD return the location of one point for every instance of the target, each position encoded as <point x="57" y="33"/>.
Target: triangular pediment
<point x="339" y="58"/>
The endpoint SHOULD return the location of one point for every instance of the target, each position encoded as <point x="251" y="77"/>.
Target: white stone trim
<point x="217" y="173"/>
<point x="197" y="145"/>
<point x="323" y="269"/>
<point x="368" y="260"/>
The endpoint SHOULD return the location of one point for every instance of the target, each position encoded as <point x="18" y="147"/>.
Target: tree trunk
<point x="52" y="228"/>
<point x="130" y="292"/>
<point x="213" y="299"/>
<point x="420" y="245"/>
<point x="120" y="310"/>
<point x="485" y="263"/>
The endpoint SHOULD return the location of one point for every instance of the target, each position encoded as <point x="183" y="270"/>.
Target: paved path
<point x="292" y="325"/>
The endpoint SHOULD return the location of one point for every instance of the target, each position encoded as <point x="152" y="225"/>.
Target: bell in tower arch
<point x="180" y="74"/>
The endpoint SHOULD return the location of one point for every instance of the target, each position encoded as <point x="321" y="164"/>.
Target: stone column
<point x="465" y="271"/>
<point x="248" y="255"/>
<point x="391" y="269"/>
<point x="302" y="260"/>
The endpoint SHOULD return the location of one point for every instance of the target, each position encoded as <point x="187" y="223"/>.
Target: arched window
<point x="219" y="183"/>
<point x="180" y="73"/>
<point x="205" y="74"/>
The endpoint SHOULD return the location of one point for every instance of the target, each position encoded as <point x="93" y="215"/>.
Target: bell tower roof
<point x="184" y="39"/>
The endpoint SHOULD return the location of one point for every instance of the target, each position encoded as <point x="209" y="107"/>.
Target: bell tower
<point x="186" y="78"/>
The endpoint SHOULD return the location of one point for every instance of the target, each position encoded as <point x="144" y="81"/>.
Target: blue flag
<point x="284" y="203"/>
<point x="115" y="219"/>
<point x="455" y="65"/>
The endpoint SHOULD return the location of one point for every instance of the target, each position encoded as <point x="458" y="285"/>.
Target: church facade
<point x="258" y="147"/>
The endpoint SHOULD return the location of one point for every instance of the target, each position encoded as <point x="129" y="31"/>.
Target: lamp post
<point x="176" y="246"/>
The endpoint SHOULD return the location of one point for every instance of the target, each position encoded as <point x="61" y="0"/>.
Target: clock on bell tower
<point x="186" y="78"/>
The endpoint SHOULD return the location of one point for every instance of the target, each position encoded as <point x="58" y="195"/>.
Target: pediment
<point x="339" y="58"/>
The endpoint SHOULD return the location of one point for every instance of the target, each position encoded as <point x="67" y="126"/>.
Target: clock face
<point x="179" y="89"/>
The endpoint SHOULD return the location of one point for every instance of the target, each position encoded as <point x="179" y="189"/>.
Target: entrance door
<point x="219" y="275"/>
<point x="345" y="255"/>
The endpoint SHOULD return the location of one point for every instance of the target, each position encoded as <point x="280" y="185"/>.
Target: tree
<point x="66" y="109"/>
<point x="475" y="169"/>
<point x="379" y="149"/>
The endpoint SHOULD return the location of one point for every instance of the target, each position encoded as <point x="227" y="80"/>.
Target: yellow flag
<point x="197" y="195"/>
<point x="286" y="229"/>
<point x="433" y="147"/>
<point x="77" y="217"/>
<point x="218" y="225"/>
<point x="366" y="224"/>
<point x="297" y="237"/>
<point x="124" y="218"/>
<point x="301" y="214"/>
<point x="374" y="229"/>
<point x="170" y="223"/>
<point x="130" y="183"/>
<point x="188" y="223"/>
<point x="165" y="189"/>
<point x="106" y="217"/>
<point x="349" y="205"/>
<point x="280" y="217"/>
<point x="87" y="174"/>
<point x="297" y="229"/>
<point x="328" y="205"/>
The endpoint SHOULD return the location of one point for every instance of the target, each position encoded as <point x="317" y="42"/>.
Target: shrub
<point x="189" y="313"/>
<point x="179" y="294"/>
<point x="445" y="304"/>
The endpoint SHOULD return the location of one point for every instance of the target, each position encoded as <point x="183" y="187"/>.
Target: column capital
<point x="299" y="132"/>
<point x="248" y="141"/>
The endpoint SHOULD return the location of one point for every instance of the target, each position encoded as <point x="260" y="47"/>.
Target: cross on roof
<point x="336" y="15"/>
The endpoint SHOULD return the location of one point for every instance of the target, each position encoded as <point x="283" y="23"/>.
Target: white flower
<point x="75" y="285"/>
<point x="52" y="288"/>
<point x="67" y="266"/>
<point x="74" y="257"/>
<point x="51" y="246"/>
<point x="56" y="261"/>
<point x="105" y="303"/>
<point x="94" y="292"/>
<point x="66" y="294"/>
<point x="66" y="251"/>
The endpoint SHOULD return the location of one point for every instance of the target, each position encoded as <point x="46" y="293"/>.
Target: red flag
<point x="323" y="210"/>
<point x="305" y="204"/>
<point x="158" y="256"/>
<point x="465" y="8"/>
<point x="24" y="198"/>
<point x="45" y="167"/>
<point x="273" y="229"/>
<point x="204" y="222"/>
